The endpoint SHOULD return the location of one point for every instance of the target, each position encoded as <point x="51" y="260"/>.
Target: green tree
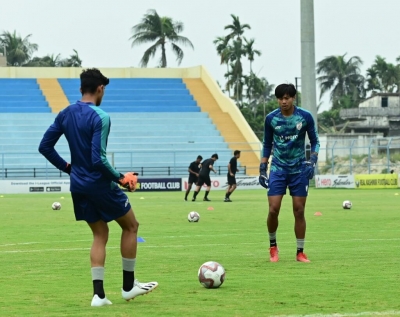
<point x="341" y="76"/>
<point x="46" y="61"/>
<point x="72" y="61"/>
<point x="19" y="50"/>
<point x="159" y="31"/>
<point x="251" y="51"/>
<point x="236" y="28"/>
<point x="383" y="76"/>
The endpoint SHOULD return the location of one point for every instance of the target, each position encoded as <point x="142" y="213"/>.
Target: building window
<point x="384" y="102"/>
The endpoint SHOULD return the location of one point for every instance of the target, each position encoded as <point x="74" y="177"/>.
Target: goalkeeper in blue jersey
<point x="96" y="197"/>
<point x="285" y="131"/>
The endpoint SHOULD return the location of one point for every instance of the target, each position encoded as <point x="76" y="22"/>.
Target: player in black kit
<point x="194" y="169"/>
<point x="204" y="176"/>
<point x="232" y="169"/>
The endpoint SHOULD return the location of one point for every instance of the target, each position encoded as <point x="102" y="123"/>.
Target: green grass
<point x="45" y="268"/>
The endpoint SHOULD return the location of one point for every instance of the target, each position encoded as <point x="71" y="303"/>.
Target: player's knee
<point x="273" y="211"/>
<point x="298" y="213"/>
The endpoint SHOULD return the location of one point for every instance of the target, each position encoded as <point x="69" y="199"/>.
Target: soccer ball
<point x="56" y="206"/>
<point x="347" y="204"/>
<point x="193" y="216"/>
<point x="211" y="274"/>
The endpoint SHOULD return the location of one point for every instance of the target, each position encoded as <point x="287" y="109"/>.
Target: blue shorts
<point x="297" y="183"/>
<point x="106" y="206"/>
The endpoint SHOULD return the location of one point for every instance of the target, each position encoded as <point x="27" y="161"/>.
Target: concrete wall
<point x="3" y="62"/>
<point x="376" y="102"/>
<point x="73" y="72"/>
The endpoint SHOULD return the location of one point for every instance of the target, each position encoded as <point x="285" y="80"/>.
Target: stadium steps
<point x="54" y="94"/>
<point x="223" y="121"/>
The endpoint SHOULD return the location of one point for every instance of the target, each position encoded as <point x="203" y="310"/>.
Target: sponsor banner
<point x="34" y="186"/>
<point x="158" y="184"/>
<point x="376" y="181"/>
<point x="334" y="181"/>
<point x="221" y="183"/>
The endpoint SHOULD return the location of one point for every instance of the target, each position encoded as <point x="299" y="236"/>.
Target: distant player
<point x="95" y="194"/>
<point x="285" y="129"/>
<point x="193" y="170"/>
<point x="204" y="176"/>
<point x="232" y="170"/>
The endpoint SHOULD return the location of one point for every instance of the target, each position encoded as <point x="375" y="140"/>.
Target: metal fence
<point x="339" y="154"/>
<point x="23" y="165"/>
<point x="359" y="155"/>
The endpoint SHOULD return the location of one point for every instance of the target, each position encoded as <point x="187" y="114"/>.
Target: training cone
<point x="62" y="197"/>
<point x="210" y="208"/>
<point x="396" y="194"/>
<point x="141" y="197"/>
<point x="318" y="213"/>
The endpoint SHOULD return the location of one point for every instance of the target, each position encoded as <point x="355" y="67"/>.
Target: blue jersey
<point x="86" y="128"/>
<point x="287" y="137"/>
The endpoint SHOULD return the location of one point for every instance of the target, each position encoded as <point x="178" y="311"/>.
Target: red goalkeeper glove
<point x="129" y="181"/>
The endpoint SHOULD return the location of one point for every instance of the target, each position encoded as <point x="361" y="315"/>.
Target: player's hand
<point x="231" y="174"/>
<point x="309" y="166"/>
<point x="68" y="169"/>
<point x="129" y="181"/>
<point x="263" y="178"/>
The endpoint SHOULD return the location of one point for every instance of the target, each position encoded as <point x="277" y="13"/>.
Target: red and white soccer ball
<point x="193" y="216"/>
<point x="211" y="274"/>
<point x="56" y="206"/>
<point x="347" y="204"/>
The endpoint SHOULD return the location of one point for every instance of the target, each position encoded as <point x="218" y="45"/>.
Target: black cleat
<point x="227" y="200"/>
<point x="194" y="199"/>
<point x="185" y="198"/>
<point x="206" y="199"/>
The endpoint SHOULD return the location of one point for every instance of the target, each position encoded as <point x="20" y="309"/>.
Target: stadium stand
<point x="157" y="126"/>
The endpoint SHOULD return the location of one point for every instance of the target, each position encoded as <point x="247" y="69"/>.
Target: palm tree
<point x="250" y="51"/>
<point x="223" y="50"/>
<point x="159" y="31"/>
<point x="383" y="76"/>
<point x="341" y="76"/>
<point x="19" y="50"/>
<point x="73" y="61"/>
<point x="236" y="28"/>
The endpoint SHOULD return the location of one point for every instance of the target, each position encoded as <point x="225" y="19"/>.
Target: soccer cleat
<point x="302" y="257"/>
<point x="227" y="200"/>
<point x="193" y="199"/>
<point x="273" y="253"/>
<point x="97" y="301"/>
<point x="185" y="198"/>
<point x="139" y="289"/>
<point x="206" y="199"/>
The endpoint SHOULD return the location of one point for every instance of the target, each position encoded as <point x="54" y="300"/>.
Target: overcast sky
<point x="99" y="30"/>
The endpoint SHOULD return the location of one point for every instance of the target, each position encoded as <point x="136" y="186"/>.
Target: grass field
<point x="355" y="268"/>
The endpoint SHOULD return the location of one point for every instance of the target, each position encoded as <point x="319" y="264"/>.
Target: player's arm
<point x="229" y="169"/>
<point x="267" y="141"/>
<point x="49" y="140"/>
<point x="192" y="172"/>
<point x="99" y="150"/>
<point x="312" y="135"/>
<point x="211" y="167"/>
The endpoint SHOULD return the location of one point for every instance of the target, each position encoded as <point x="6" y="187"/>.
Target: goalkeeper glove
<point x="309" y="166"/>
<point x="128" y="181"/>
<point x="67" y="169"/>
<point x="263" y="178"/>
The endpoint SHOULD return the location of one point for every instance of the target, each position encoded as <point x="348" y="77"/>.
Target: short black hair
<point x="236" y="152"/>
<point x="285" y="89"/>
<point x="92" y="78"/>
<point x="215" y="155"/>
<point x="199" y="157"/>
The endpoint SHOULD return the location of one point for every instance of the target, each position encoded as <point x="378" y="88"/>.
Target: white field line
<point x="367" y="313"/>
<point x="179" y="245"/>
<point x="201" y="236"/>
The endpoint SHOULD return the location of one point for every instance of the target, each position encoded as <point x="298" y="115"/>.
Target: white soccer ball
<point x="347" y="204"/>
<point x="193" y="216"/>
<point x="211" y="274"/>
<point x="56" y="206"/>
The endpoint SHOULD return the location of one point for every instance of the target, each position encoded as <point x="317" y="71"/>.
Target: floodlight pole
<point x="308" y="78"/>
